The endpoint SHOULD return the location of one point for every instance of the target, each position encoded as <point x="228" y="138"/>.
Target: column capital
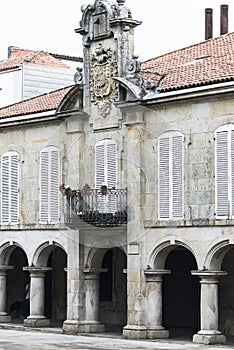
<point x="93" y="272"/>
<point x="4" y="269"/>
<point x="152" y="275"/>
<point x="37" y="271"/>
<point x="209" y="276"/>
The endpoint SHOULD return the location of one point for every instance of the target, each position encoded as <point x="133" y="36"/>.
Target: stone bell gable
<point x="107" y="28"/>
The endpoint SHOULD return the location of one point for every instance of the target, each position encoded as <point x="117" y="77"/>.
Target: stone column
<point x="91" y="324"/>
<point x="4" y="317"/>
<point x="154" y="279"/>
<point x="37" y="297"/>
<point x="209" y="333"/>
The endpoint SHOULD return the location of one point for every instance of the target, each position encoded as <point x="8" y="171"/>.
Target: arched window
<point x="10" y="188"/>
<point x="224" y="171"/>
<point x="171" y="175"/>
<point x="49" y="185"/>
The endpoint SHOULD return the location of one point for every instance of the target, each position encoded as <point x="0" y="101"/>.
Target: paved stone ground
<point x="54" y="340"/>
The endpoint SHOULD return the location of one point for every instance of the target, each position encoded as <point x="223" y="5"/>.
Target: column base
<point x="209" y="339"/>
<point x="5" y="318"/>
<point x="91" y="327"/>
<point x="31" y="321"/>
<point x="71" y="327"/>
<point x="157" y="333"/>
<point x="75" y="327"/>
<point x="134" y="332"/>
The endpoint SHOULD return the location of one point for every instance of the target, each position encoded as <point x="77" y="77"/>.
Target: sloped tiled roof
<point x="209" y="62"/>
<point x="42" y="103"/>
<point x="20" y="56"/>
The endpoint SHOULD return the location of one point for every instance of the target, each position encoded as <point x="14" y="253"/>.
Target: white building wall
<point x="10" y="87"/>
<point x="38" y="79"/>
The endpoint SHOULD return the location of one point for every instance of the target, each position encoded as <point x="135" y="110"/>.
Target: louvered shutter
<point x="54" y="185"/>
<point x="106" y="173"/>
<point x="224" y="172"/>
<point x="232" y="172"/>
<point x="106" y="163"/>
<point x="49" y="184"/>
<point x="171" y="175"/>
<point x="10" y="188"/>
<point x="100" y="165"/>
<point x="177" y="177"/>
<point x="164" y="178"/>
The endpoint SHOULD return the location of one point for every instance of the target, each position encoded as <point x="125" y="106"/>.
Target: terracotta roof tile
<point x="209" y="62"/>
<point x="42" y="103"/>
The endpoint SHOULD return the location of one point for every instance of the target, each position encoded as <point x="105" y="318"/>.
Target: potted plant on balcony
<point x="86" y="189"/>
<point x="104" y="190"/>
<point x="66" y="190"/>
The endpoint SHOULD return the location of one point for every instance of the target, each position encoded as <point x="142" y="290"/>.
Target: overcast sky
<point x="49" y="25"/>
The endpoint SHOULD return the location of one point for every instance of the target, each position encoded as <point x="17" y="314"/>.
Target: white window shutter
<point x="164" y="178"/>
<point x="106" y="163"/>
<point x="232" y="173"/>
<point x="106" y="173"/>
<point x="49" y="185"/>
<point x="222" y="173"/>
<point x="111" y="166"/>
<point x="100" y="162"/>
<point x="10" y="188"/>
<point x="177" y="177"/>
<point x="171" y="183"/>
<point x="54" y="185"/>
<point x="14" y="189"/>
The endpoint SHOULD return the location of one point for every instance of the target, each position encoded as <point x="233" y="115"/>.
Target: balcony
<point x="97" y="209"/>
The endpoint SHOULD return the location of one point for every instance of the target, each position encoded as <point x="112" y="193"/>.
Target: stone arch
<point x="216" y="253"/>
<point x="6" y="249"/>
<point x="160" y="253"/>
<point x="41" y="254"/>
<point x="95" y="256"/>
<point x="50" y="257"/>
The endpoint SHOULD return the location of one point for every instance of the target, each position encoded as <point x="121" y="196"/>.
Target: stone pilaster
<point x="154" y="279"/>
<point x="37" y="297"/>
<point x="209" y="333"/>
<point x="4" y="317"/>
<point x="91" y="324"/>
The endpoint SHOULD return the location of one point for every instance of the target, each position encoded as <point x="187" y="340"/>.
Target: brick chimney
<point x="208" y="23"/>
<point x="223" y="19"/>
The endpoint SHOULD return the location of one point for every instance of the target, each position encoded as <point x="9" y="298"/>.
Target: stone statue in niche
<point x="103" y="89"/>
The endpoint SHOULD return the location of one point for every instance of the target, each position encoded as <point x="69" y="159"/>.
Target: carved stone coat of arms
<point x="103" y="88"/>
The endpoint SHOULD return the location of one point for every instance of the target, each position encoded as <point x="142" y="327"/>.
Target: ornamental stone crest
<point x="103" y="89"/>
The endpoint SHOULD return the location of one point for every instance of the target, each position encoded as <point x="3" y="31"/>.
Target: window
<point x="106" y="172"/>
<point x="224" y="171"/>
<point x="10" y="188"/>
<point x="49" y="185"/>
<point x="106" y="162"/>
<point x="171" y="184"/>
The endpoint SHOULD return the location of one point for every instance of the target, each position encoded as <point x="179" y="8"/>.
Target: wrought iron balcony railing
<point x="97" y="209"/>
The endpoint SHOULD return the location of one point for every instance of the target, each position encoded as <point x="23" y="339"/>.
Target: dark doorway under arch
<point x="113" y="290"/>
<point x="181" y="294"/>
<point x="226" y="295"/>
<point x="56" y="287"/>
<point x="16" y="280"/>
